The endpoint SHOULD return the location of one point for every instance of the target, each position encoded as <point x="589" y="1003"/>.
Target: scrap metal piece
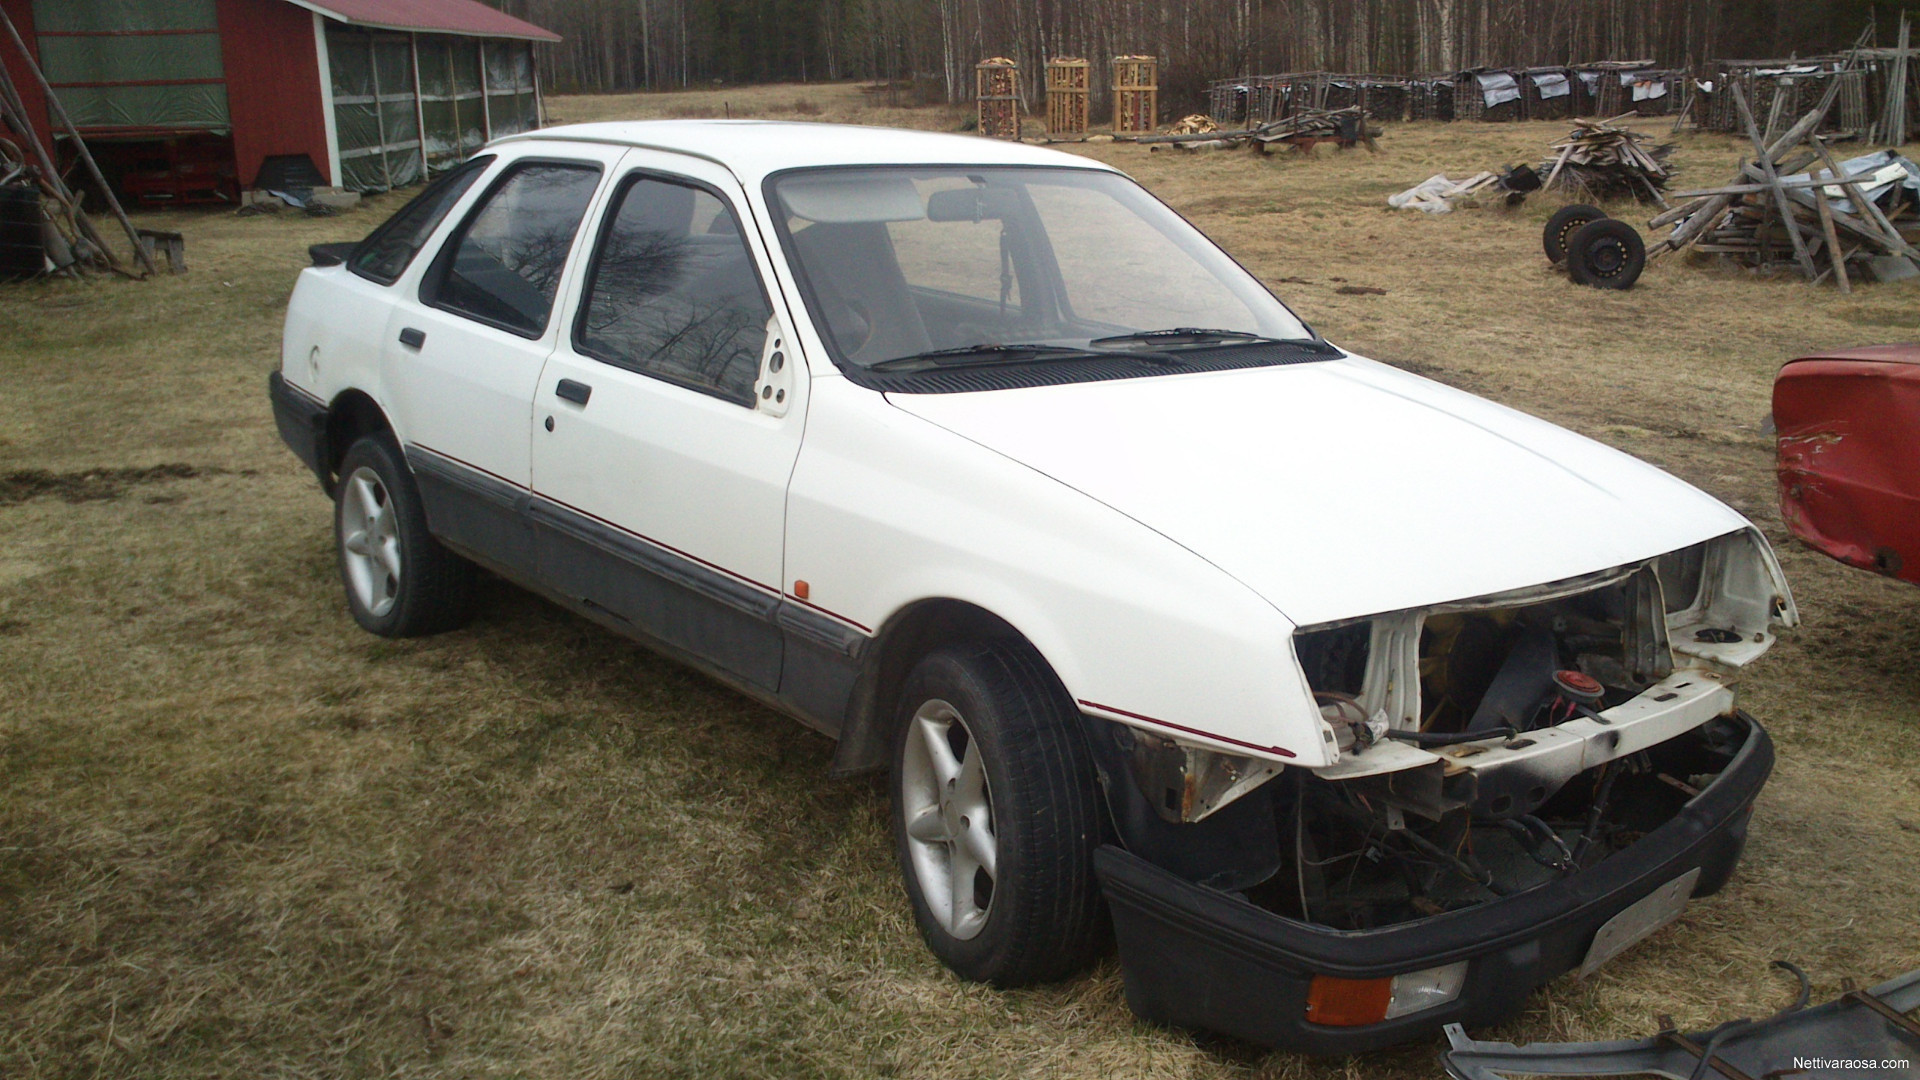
<point x="1859" y="1034"/>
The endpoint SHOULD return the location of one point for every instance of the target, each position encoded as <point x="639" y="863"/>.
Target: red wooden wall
<point x="273" y="83"/>
<point x="21" y="12"/>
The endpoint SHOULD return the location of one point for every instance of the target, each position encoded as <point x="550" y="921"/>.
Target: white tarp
<point x="1592" y="79"/>
<point x="1875" y="173"/>
<point x="1552" y="84"/>
<point x="1649" y="89"/>
<point x="1498" y="87"/>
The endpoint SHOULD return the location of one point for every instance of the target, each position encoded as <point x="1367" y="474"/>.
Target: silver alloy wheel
<point x="369" y="541"/>
<point x="949" y="816"/>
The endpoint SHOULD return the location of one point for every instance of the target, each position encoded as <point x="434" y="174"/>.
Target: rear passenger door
<point x="667" y="421"/>
<point x="463" y="352"/>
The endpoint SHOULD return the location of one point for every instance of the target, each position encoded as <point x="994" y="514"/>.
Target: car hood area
<point x="1342" y="488"/>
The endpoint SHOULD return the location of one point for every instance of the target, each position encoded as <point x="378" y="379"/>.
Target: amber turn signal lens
<point x="800" y="589"/>
<point x="1348" y="1002"/>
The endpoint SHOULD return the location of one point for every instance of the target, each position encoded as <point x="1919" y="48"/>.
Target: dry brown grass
<point x="240" y="837"/>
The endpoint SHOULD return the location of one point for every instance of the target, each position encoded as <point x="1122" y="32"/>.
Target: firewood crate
<point x="1067" y="85"/>
<point x="1136" y="94"/>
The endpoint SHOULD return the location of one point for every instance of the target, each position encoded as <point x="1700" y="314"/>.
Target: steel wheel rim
<point x="1609" y="258"/>
<point x="369" y="541"/>
<point x="948" y="810"/>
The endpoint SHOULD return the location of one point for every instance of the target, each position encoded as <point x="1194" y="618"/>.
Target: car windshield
<point x="959" y="264"/>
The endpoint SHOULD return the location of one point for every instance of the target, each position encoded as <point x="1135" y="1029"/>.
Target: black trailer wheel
<point x="1563" y="224"/>
<point x="1607" y="254"/>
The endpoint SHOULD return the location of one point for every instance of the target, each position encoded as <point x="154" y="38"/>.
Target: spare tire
<point x="1606" y="254"/>
<point x="1563" y="224"/>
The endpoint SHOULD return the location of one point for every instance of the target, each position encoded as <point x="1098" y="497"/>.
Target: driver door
<point x="667" y="421"/>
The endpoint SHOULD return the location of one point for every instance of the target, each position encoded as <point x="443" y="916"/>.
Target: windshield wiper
<point x="982" y="353"/>
<point x="1181" y="335"/>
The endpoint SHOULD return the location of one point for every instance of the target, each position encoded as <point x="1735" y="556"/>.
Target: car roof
<point x="751" y="149"/>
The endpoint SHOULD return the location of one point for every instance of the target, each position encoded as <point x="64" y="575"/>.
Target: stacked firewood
<point x="1301" y="131"/>
<point x="1794" y="205"/>
<point x="1600" y="160"/>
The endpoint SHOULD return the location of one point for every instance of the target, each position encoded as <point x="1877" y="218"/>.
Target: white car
<point x="1362" y="705"/>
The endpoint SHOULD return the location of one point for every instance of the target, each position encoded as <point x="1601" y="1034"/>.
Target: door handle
<point x="576" y="392"/>
<point x="412" y="338"/>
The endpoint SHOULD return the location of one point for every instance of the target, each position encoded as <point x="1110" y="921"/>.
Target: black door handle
<point x="412" y="338"/>
<point x="576" y="392"/>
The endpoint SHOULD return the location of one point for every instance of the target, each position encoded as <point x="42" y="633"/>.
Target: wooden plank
<point x="1834" y="255"/>
<point x="1773" y="178"/>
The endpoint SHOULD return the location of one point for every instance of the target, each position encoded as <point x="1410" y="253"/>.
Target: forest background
<point x="928" y="47"/>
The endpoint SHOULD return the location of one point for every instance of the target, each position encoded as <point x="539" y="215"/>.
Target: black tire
<point x="1607" y="254"/>
<point x="1563" y="224"/>
<point x="433" y="590"/>
<point x="1044" y="917"/>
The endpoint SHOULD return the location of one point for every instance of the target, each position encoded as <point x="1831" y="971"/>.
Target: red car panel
<point x="1849" y="455"/>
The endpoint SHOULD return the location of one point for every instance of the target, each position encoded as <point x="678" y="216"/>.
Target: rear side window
<point x="503" y="266"/>
<point x="384" y="255"/>
<point x="674" y="292"/>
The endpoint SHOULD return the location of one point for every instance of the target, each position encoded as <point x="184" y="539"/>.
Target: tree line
<point x="616" y="45"/>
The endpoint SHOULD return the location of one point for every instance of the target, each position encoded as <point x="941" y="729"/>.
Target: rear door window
<point x="502" y="267"/>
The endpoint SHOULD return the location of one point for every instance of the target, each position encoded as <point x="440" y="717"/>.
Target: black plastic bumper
<point x="302" y="421"/>
<point x="1200" y="958"/>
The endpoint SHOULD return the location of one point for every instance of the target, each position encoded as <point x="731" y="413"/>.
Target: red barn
<point x="190" y="100"/>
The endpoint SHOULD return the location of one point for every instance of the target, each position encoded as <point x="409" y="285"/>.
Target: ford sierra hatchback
<point x="1351" y="704"/>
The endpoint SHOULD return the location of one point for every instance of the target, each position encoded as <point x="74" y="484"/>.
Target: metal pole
<point x="53" y="106"/>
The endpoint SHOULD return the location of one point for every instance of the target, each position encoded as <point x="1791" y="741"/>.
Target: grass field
<point x="240" y="837"/>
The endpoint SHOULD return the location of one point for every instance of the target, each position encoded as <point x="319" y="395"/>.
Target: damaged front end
<point x="1520" y="785"/>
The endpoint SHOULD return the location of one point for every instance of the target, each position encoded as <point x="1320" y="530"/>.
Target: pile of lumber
<point x="1302" y="131"/>
<point x="1599" y="161"/>
<point x="1794" y="205"/>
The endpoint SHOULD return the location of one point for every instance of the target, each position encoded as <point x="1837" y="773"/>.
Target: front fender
<point x="886" y="510"/>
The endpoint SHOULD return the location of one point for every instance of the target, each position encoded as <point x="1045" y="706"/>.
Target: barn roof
<point x="468" y="17"/>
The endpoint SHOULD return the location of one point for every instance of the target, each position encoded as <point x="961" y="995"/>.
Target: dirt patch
<point x="91" y="485"/>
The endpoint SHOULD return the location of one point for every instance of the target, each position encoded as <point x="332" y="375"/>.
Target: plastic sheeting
<point x="510" y="93"/>
<point x="469" y="90"/>
<point x="1498" y="87"/>
<point x="451" y="99"/>
<point x="130" y="57"/>
<point x="105" y="57"/>
<point x="202" y="105"/>
<point x="118" y="16"/>
<point x="375" y="111"/>
<point x="1551" y="84"/>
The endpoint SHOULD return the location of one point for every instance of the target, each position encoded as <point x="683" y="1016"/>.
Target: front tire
<point x="996" y="816"/>
<point x="400" y="581"/>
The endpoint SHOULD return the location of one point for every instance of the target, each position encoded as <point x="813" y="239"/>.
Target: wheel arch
<point x="906" y="636"/>
<point x="351" y="415"/>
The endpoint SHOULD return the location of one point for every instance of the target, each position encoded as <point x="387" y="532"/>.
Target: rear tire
<point x="996" y="816"/>
<point x="1563" y="224"/>
<point x="400" y="581"/>
<point x="1607" y="254"/>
